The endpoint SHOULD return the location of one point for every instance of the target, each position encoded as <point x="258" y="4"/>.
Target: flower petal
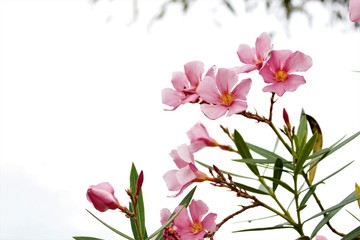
<point x="193" y="72"/>
<point x="246" y="54"/>
<point x="213" y="111"/>
<point x="197" y="210"/>
<point x="242" y="89"/>
<point x="293" y="82"/>
<point x="209" y="222"/>
<point x="171" y="180"/>
<point x="354" y="9"/>
<point x="237" y="107"/>
<point x="226" y="80"/>
<point x="277" y="88"/>
<point x="298" y="62"/>
<point x="208" y="91"/>
<point x="171" y="97"/>
<point x="263" y="45"/>
<point x="179" y="81"/>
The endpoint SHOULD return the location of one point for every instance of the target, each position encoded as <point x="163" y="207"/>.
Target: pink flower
<point x="354" y="8"/>
<point x="200" y="138"/>
<point x="254" y="57"/>
<point x="195" y="226"/>
<point x="186" y="174"/>
<point x="185" y="84"/>
<point x="221" y="95"/>
<point x="277" y="71"/>
<point x="102" y="197"/>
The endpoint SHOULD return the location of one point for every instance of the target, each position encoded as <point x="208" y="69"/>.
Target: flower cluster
<point x="219" y="92"/>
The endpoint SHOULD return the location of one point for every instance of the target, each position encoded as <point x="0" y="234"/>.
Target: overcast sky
<point x="81" y="100"/>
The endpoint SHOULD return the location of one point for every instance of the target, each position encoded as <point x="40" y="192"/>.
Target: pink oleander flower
<point x="186" y="174"/>
<point x="220" y="94"/>
<point x="254" y="57"/>
<point x="200" y="138"/>
<point x="354" y="9"/>
<point x="195" y="226"/>
<point x="170" y="232"/>
<point x="277" y="71"/>
<point x="185" y="85"/>
<point x="102" y="197"/>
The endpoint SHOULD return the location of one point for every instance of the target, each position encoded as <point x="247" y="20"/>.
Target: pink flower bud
<point x="102" y="197"/>
<point x="286" y="118"/>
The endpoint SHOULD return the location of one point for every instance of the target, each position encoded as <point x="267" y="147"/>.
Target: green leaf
<point x="140" y="209"/>
<point x="269" y="155"/>
<point x="244" y="151"/>
<point x="278" y="169"/>
<point x="111" y="228"/>
<point x="305" y="153"/>
<point x="250" y="189"/>
<point x="301" y="134"/>
<point x="281" y="183"/>
<point x="184" y="202"/>
<point x="330" y="212"/>
<point x="226" y="172"/>
<point x="86" y="238"/>
<point x="307" y="197"/>
<point x="353" y="234"/>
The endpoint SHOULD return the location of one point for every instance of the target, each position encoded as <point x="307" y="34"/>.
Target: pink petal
<point x="208" y="91"/>
<point x="263" y="45"/>
<point x="278" y="59"/>
<point x="354" y="8"/>
<point x="211" y="72"/>
<point x="267" y="74"/>
<point x="183" y="221"/>
<point x="197" y="210"/>
<point x="209" y="222"/>
<point x="298" y="62"/>
<point x="278" y="88"/>
<point x="226" y="80"/>
<point x="246" y="54"/>
<point x="213" y="111"/>
<point x="194" y="71"/>
<point x="164" y="215"/>
<point x="185" y="175"/>
<point x="293" y="82"/>
<point x="319" y="237"/>
<point x="179" y="81"/>
<point x="171" y="97"/>
<point x="171" y="180"/>
<point x="242" y="89"/>
<point x="245" y="68"/>
<point x="237" y="107"/>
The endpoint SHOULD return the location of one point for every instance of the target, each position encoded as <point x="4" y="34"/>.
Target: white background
<point x="81" y="100"/>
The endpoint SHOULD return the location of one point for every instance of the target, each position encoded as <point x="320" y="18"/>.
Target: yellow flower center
<point x="226" y="99"/>
<point x="196" y="227"/>
<point x="281" y="75"/>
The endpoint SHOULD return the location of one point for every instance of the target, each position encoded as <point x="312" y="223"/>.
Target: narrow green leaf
<point x="140" y="209"/>
<point x="278" y="169"/>
<point x="303" y="238"/>
<point x="244" y="151"/>
<point x="301" y="134"/>
<point x="184" y="202"/>
<point x="86" y="238"/>
<point x="111" y="228"/>
<point x="250" y="189"/>
<point x="269" y="155"/>
<point x="330" y="212"/>
<point x="307" y="196"/>
<point x="281" y="183"/>
<point x="305" y="153"/>
<point x="353" y="234"/>
<point x="226" y="172"/>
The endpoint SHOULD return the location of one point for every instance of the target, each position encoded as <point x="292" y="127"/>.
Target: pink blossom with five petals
<point x="254" y="57"/>
<point x="195" y="226"/>
<point x="277" y="71"/>
<point x="186" y="174"/>
<point x="354" y="9"/>
<point x="221" y="95"/>
<point x="185" y="84"/>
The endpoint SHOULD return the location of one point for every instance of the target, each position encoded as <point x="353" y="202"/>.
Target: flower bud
<point x="102" y="197"/>
<point x="286" y="118"/>
<point x="139" y="183"/>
